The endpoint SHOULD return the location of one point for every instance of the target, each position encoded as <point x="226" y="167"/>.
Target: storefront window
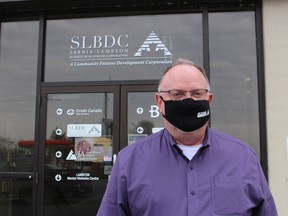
<point x="18" y="89"/>
<point x="234" y="75"/>
<point x="18" y="61"/>
<point x="120" y="48"/>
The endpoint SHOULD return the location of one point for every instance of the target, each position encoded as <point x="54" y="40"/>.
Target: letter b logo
<point x="154" y="110"/>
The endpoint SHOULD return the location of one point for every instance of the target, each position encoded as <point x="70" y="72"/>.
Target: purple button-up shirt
<point x="153" y="178"/>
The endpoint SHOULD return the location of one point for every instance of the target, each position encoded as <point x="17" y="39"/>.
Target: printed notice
<point x="134" y="137"/>
<point x="84" y="130"/>
<point x="93" y="149"/>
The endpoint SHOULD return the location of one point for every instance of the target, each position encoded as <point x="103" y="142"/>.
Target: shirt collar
<point x="172" y="142"/>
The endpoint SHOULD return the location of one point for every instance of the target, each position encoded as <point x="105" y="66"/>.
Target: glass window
<point x="120" y="48"/>
<point x="18" y="66"/>
<point x="234" y="75"/>
<point x="144" y="117"/>
<point x="78" y="152"/>
<point x="16" y="196"/>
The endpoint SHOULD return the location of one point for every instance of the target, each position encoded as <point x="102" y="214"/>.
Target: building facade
<point x="77" y="84"/>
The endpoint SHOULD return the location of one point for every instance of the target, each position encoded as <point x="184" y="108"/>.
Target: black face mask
<point x="188" y="114"/>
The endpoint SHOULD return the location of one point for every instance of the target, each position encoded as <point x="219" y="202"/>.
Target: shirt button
<point x="192" y="193"/>
<point x="191" y="167"/>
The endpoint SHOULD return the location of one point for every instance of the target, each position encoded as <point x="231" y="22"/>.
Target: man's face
<point x="182" y="77"/>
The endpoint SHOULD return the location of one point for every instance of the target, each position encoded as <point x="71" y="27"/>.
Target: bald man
<point x="187" y="169"/>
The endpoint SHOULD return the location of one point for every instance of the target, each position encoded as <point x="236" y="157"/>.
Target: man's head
<point x="182" y="61"/>
<point x="184" y="98"/>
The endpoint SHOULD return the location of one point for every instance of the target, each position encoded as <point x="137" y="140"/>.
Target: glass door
<point x="83" y="130"/>
<point x="81" y="137"/>
<point x="141" y="116"/>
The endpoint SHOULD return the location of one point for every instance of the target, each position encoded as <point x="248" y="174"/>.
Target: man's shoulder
<point x="217" y="134"/>
<point x="217" y="137"/>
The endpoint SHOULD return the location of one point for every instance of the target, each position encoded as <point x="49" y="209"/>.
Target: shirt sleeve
<point x="267" y="206"/>
<point x="114" y="201"/>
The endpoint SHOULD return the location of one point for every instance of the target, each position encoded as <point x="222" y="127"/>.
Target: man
<point x="187" y="169"/>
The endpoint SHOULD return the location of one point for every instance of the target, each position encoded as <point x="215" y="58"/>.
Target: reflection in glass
<point x="78" y="152"/>
<point x="16" y="196"/>
<point x="17" y="113"/>
<point x="144" y="116"/>
<point x="234" y="75"/>
<point x="18" y="85"/>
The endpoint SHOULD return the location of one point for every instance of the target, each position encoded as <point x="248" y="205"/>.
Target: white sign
<point x="113" y="50"/>
<point x="84" y="130"/>
<point x="156" y="129"/>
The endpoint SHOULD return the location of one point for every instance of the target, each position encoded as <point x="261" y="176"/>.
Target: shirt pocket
<point x="228" y="194"/>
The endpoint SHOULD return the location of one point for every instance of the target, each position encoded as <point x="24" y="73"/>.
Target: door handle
<point x="114" y="158"/>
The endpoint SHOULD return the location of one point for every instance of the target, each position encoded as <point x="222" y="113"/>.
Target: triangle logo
<point x="153" y="45"/>
<point x="71" y="156"/>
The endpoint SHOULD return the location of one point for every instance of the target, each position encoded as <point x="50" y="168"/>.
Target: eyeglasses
<point x="176" y="94"/>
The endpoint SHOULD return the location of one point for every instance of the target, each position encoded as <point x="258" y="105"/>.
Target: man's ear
<point x="159" y="101"/>
<point x="211" y="97"/>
